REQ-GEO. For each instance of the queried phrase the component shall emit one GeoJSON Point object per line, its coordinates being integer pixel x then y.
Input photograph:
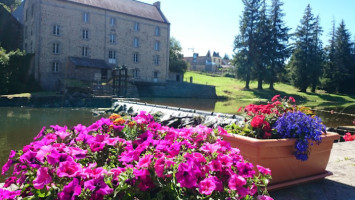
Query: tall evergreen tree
{"type": "Point", "coordinates": [302, 65]}
{"type": "Point", "coordinates": [328, 73]}
{"type": "Point", "coordinates": [343, 60]}
{"type": "Point", "coordinates": [245, 44]}
{"type": "Point", "coordinates": [317, 55]}
{"type": "Point", "coordinates": [262, 56]}
{"type": "Point", "coordinates": [279, 48]}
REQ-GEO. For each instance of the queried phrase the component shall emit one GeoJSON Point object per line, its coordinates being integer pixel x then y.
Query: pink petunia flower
{"type": "Point", "coordinates": [263, 170]}
{"type": "Point", "coordinates": [145, 161]}
{"type": "Point", "coordinates": [69, 169]}
{"type": "Point", "coordinates": [43, 178]}
{"type": "Point", "coordinates": [207, 186]}
{"type": "Point", "coordinates": [71, 191]}
{"type": "Point", "coordinates": [236, 181]}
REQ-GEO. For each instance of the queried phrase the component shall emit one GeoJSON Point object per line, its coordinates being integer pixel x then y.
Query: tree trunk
{"type": "Point", "coordinates": [247, 82]}
{"type": "Point", "coordinates": [260, 83]}
{"type": "Point", "coordinates": [271, 87]}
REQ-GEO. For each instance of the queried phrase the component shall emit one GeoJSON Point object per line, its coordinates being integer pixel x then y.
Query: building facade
{"type": "Point", "coordinates": [86, 39]}
{"type": "Point", "coordinates": [208, 63]}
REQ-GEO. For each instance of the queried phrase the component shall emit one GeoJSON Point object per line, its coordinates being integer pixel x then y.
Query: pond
{"type": "Point", "coordinates": [20, 125]}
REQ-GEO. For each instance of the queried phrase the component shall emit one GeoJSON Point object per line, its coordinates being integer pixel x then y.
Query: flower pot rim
{"type": "Point", "coordinates": [276, 142]}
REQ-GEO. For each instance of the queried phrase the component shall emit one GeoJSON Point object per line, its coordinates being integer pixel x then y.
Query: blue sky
{"type": "Point", "coordinates": [212, 25]}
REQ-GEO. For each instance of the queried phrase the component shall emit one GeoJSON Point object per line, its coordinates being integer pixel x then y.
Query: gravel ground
{"type": "Point", "coordinates": [339, 186]}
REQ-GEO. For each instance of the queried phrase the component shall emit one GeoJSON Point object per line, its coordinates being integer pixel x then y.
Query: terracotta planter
{"type": "Point", "coordinates": [277, 154]}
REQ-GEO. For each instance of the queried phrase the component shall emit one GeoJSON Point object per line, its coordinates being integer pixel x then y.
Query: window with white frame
{"type": "Point", "coordinates": [112, 54]}
{"type": "Point", "coordinates": [136, 42]}
{"type": "Point", "coordinates": [85, 34]}
{"type": "Point", "coordinates": [55, 67]}
{"type": "Point", "coordinates": [85, 51]}
{"type": "Point", "coordinates": [136, 26]}
{"type": "Point", "coordinates": [112, 38]}
{"type": "Point", "coordinates": [135, 57]}
{"type": "Point", "coordinates": [157, 46]}
{"type": "Point", "coordinates": [86, 17]}
{"type": "Point", "coordinates": [157, 31]}
{"type": "Point", "coordinates": [55, 48]}
{"type": "Point", "coordinates": [112, 21]}
{"type": "Point", "coordinates": [56, 30]}
{"type": "Point", "coordinates": [156, 60]}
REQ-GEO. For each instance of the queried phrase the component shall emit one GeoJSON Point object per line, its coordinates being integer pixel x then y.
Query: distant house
{"type": "Point", "coordinates": [10, 31]}
{"type": "Point", "coordinates": [208, 63]}
{"type": "Point", "coordinates": [86, 39]}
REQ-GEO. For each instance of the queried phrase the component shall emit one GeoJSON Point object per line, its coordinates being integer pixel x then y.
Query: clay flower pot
{"type": "Point", "coordinates": [277, 154]}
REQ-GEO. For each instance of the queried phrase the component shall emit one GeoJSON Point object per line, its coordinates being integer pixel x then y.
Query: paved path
{"type": "Point", "coordinates": [339, 186]}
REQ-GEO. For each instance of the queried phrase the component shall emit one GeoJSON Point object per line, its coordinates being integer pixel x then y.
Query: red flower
{"type": "Point", "coordinates": [275, 98]}
{"type": "Point", "coordinates": [292, 99]}
{"type": "Point", "coordinates": [349, 137]}
{"type": "Point", "coordinates": [258, 121]}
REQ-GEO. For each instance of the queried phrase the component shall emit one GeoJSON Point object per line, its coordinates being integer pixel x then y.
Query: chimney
{"type": "Point", "coordinates": [157, 4]}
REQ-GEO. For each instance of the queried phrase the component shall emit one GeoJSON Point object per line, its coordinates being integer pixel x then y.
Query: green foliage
{"type": "Point", "coordinates": [176, 62]}
{"type": "Point", "coordinates": [340, 68]}
{"type": "Point", "coordinates": [306, 61]}
{"type": "Point", "coordinates": [11, 3]}
{"type": "Point", "coordinates": [14, 67]}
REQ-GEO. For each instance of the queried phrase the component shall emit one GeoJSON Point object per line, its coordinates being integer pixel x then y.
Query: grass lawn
{"type": "Point", "coordinates": [236, 95]}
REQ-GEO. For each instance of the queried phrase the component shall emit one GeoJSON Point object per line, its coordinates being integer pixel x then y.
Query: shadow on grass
{"type": "Point", "coordinates": [327, 97]}
{"type": "Point", "coordinates": [268, 94]}
{"type": "Point", "coordinates": [320, 190]}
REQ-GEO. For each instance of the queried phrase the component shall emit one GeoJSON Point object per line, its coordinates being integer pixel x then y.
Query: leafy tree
{"type": "Point", "coordinates": [11, 3]}
{"type": "Point", "coordinates": [4, 71]}
{"type": "Point", "coordinates": [305, 64]}
{"type": "Point", "coordinates": [176, 61]}
{"type": "Point", "coordinates": [226, 57]}
{"type": "Point", "coordinates": [278, 47]}
{"type": "Point", "coordinates": [245, 44]}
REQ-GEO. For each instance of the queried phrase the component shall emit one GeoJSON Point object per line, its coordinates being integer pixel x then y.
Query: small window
{"type": "Point", "coordinates": [156, 74]}
{"type": "Point", "coordinates": [85, 34]}
{"type": "Point", "coordinates": [135, 58]}
{"type": "Point", "coordinates": [156, 60]}
{"type": "Point", "coordinates": [84, 51]}
{"type": "Point", "coordinates": [112, 21]}
{"type": "Point", "coordinates": [56, 30]}
{"type": "Point", "coordinates": [112, 38]}
{"type": "Point", "coordinates": [136, 42]}
{"type": "Point", "coordinates": [55, 48]}
{"type": "Point", "coordinates": [55, 67]}
{"type": "Point", "coordinates": [157, 31]}
{"type": "Point", "coordinates": [157, 46]}
{"type": "Point", "coordinates": [136, 26]}
{"type": "Point", "coordinates": [135, 73]}
{"type": "Point", "coordinates": [86, 17]}
{"type": "Point", "coordinates": [112, 54]}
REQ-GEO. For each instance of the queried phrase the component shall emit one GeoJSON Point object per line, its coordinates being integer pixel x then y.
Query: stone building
{"type": "Point", "coordinates": [208, 63]}
{"type": "Point", "coordinates": [86, 39]}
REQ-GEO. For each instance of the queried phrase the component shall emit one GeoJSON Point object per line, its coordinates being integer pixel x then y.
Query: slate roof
{"type": "Point", "coordinates": [130, 7]}
{"type": "Point", "coordinates": [87, 62]}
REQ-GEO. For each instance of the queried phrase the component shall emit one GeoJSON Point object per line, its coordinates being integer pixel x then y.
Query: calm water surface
{"type": "Point", "coordinates": [18, 126]}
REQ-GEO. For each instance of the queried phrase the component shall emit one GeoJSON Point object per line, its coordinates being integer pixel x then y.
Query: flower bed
{"type": "Point", "coordinates": [134, 158]}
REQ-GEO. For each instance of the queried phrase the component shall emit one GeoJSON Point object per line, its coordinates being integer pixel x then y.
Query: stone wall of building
{"type": "Point", "coordinates": [40, 39]}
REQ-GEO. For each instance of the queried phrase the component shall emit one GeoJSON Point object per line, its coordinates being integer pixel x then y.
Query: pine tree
{"type": "Point", "coordinates": [279, 49]}
{"type": "Point", "coordinates": [317, 55]}
{"type": "Point", "coordinates": [262, 56]}
{"type": "Point", "coordinates": [342, 58]}
{"type": "Point", "coordinates": [304, 68]}
{"type": "Point", "coordinates": [328, 73]}
{"type": "Point", "coordinates": [245, 44]}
